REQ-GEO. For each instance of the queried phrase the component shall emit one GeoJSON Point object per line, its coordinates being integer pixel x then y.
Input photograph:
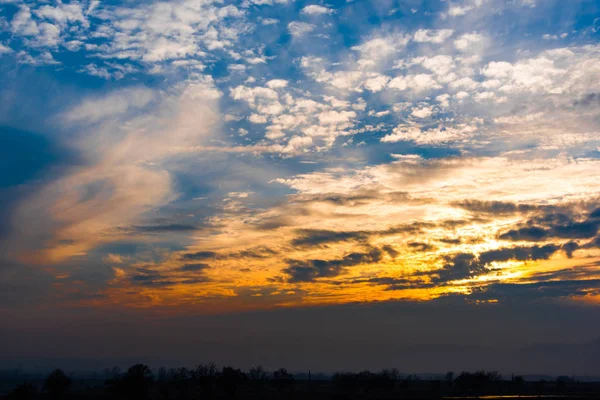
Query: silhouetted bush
{"type": "Point", "coordinates": [26, 391]}
{"type": "Point", "coordinates": [135, 384]}
{"type": "Point", "coordinates": [283, 380]}
{"type": "Point", "coordinates": [476, 381]}
{"type": "Point", "coordinates": [57, 384]}
{"type": "Point", "coordinates": [231, 380]}
{"type": "Point", "coordinates": [206, 382]}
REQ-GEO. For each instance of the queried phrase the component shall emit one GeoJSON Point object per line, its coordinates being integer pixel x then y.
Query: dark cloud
{"type": "Point", "coordinates": [518, 292]}
{"type": "Point", "coordinates": [421, 247]}
{"type": "Point", "coordinates": [194, 281]}
{"type": "Point", "coordinates": [589, 100]}
{"type": "Point", "coordinates": [339, 199]}
{"type": "Point", "coordinates": [557, 224]}
{"type": "Point", "coordinates": [165, 228]}
{"type": "Point", "coordinates": [147, 277]}
{"type": "Point", "coordinates": [201, 255]}
{"type": "Point", "coordinates": [194, 267]}
{"type": "Point", "coordinates": [309, 270]}
{"type": "Point", "coordinates": [316, 237]}
{"type": "Point", "coordinates": [460, 266]}
{"type": "Point", "coordinates": [391, 283]}
{"type": "Point", "coordinates": [256, 252]}
{"type": "Point", "coordinates": [570, 247]}
{"type": "Point", "coordinates": [150, 277]}
{"type": "Point", "coordinates": [495, 207]}
{"type": "Point", "coordinates": [390, 250]}
{"type": "Point", "coordinates": [577, 230]}
{"type": "Point", "coordinates": [519, 253]}
{"type": "Point", "coordinates": [450, 240]}
{"type": "Point", "coordinates": [533, 234]}
{"type": "Point", "coordinates": [466, 265]}
{"type": "Point", "coordinates": [582, 273]}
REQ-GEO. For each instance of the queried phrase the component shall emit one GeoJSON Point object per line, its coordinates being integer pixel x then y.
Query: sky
{"type": "Point", "coordinates": [325, 185]}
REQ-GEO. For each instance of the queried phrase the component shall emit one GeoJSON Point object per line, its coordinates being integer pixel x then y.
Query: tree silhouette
{"type": "Point", "coordinates": [518, 383]}
{"type": "Point", "coordinates": [387, 379]}
{"type": "Point", "coordinates": [259, 378]}
{"type": "Point", "coordinates": [136, 382]}
{"type": "Point", "coordinates": [476, 381]}
{"type": "Point", "coordinates": [539, 387]}
{"type": "Point", "coordinates": [231, 379]}
{"type": "Point", "coordinates": [449, 377]}
{"type": "Point", "coordinates": [205, 377]}
{"type": "Point", "coordinates": [207, 383]}
{"type": "Point", "coordinates": [57, 384]}
{"type": "Point", "coordinates": [283, 380]}
{"type": "Point", "coordinates": [258, 374]}
{"type": "Point", "coordinates": [26, 391]}
{"type": "Point", "coordinates": [181, 379]}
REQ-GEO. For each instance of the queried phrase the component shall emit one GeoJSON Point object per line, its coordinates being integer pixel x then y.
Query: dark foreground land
{"type": "Point", "coordinates": [207, 382]}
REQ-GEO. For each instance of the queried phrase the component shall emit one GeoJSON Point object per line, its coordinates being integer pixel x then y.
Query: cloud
{"type": "Point", "coordinates": [469, 42]}
{"type": "Point", "coordinates": [555, 225]}
{"type": "Point", "coordinates": [201, 255]}
{"type": "Point", "coordinates": [122, 178]}
{"type": "Point", "coordinates": [5, 49]}
{"type": "Point", "coordinates": [194, 267]}
{"type": "Point", "coordinates": [436, 136]}
{"type": "Point", "coordinates": [422, 112]}
{"type": "Point", "coordinates": [467, 266]}
{"type": "Point", "coordinates": [538, 291]}
{"type": "Point", "coordinates": [112, 105]}
{"type": "Point", "coordinates": [315, 9]}
{"type": "Point", "coordinates": [298, 29]}
{"type": "Point", "coordinates": [432, 36]}
{"type": "Point", "coordinates": [277, 83]}
{"type": "Point", "coordinates": [417, 83]}
{"type": "Point", "coordinates": [406, 163]}
{"type": "Point", "coordinates": [309, 270]}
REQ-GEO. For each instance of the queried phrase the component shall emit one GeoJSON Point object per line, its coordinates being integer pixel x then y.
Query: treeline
{"type": "Point", "coordinates": [207, 381]}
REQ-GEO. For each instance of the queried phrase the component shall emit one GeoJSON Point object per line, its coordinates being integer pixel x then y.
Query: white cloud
{"type": "Point", "coordinates": [463, 83]}
{"type": "Point", "coordinates": [335, 117]}
{"type": "Point", "coordinates": [297, 28]}
{"type": "Point", "coordinates": [457, 11]}
{"type": "Point", "coordinates": [314, 9]}
{"type": "Point", "coordinates": [441, 65]}
{"type": "Point", "coordinates": [123, 176]}
{"type": "Point", "coordinates": [269, 21]}
{"type": "Point", "coordinates": [277, 83]}
{"type": "Point", "coordinates": [22, 24]}
{"type": "Point", "coordinates": [297, 143]}
{"type": "Point", "coordinates": [470, 42]}
{"type": "Point", "coordinates": [528, 3]}
{"type": "Point", "coordinates": [44, 58]}
{"type": "Point", "coordinates": [444, 100]}
{"type": "Point", "coordinates": [380, 47]}
{"type": "Point", "coordinates": [402, 134]}
{"type": "Point", "coordinates": [436, 136]}
{"type": "Point", "coordinates": [376, 83]}
{"type": "Point", "coordinates": [63, 14]}
{"type": "Point", "coordinates": [5, 49]}
{"type": "Point", "coordinates": [253, 95]}
{"type": "Point", "coordinates": [422, 112]}
{"type": "Point", "coordinates": [112, 105]}
{"type": "Point", "coordinates": [257, 119]}
{"type": "Point", "coordinates": [432, 35]}
{"type": "Point", "coordinates": [417, 83]}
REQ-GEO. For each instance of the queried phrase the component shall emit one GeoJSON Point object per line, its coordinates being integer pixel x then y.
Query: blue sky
{"type": "Point", "coordinates": [199, 157]}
